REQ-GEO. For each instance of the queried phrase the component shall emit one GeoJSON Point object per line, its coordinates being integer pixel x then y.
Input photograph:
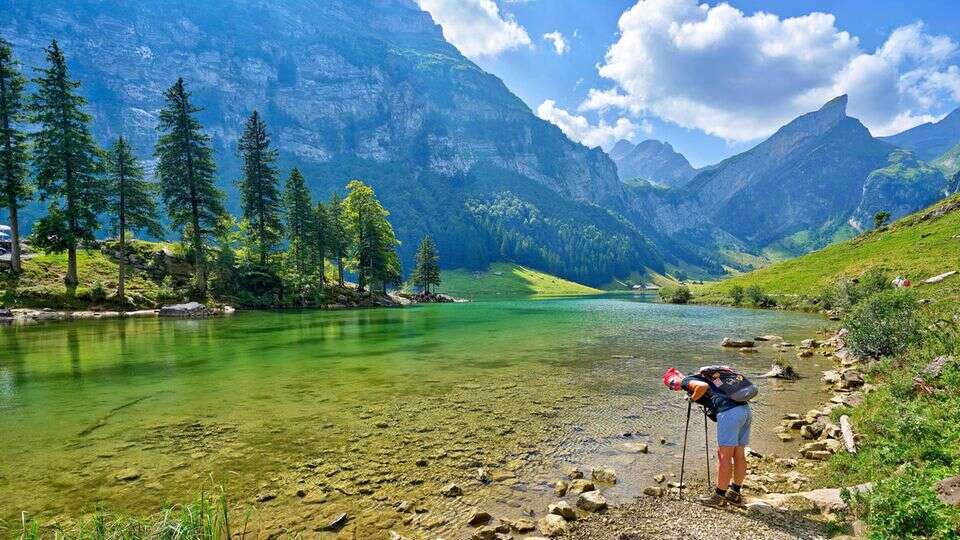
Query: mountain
{"type": "Point", "coordinates": [363, 89]}
{"type": "Point", "coordinates": [651, 160]}
{"type": "Point", "coordinates": [949, 162]}
{"type": "Point", "coordinates": [817, 180]}
{"type": "Point", "coordinates": [931, 139]}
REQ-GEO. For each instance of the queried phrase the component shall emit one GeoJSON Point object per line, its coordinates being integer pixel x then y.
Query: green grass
{"type": "Point", "coordinates": [510, 281]}
{"type": "Point", "coordinates": [41, 282]}
{"type": "Point", "coordinates": [913, 247]}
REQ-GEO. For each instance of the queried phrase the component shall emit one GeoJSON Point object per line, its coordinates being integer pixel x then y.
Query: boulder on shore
{"type": "Point", "coordinates": [592, 501]}
{"type": "Point", "coordinates": [188, 310]}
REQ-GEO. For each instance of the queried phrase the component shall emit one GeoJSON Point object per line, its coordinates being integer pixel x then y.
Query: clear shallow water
{"type": "Point", "coordinates": [357, 410]}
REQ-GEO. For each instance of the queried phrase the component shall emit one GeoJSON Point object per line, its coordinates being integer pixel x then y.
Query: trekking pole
{"type": "Point", "coordinates": [706, 445]}
{"type": "Point", "coordinates": [683, 458]}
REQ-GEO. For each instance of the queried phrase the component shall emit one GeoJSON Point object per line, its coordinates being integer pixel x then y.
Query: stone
{"type": "Point", "coordinates": [552, 525]}
{"type": "Point", "coordinates": [935, 367]}
{"type": "Point", "coordinates": [805, 353]}
{"type": "Point", "coordinates": [188, 310]}
{"type": "Point", "coordinates": [580, 486]}
{"type": "Point", "coordinates": [592, 501]}
{"type": "Point", "coordinates": [768, 337]}
{"type": "Point", "coordinates": [338, 522]}
{"type": "Point", "coordinates": [604, 475]}
{"type": "Point", "coordinates": [748, 350]}
{"type": "Point", "coordinates": [452, 490]}
{"type": "Point", "coordinates": [851, 379]}
{"type": "Point", "coordinates": [939, 278]}
{"type": "Point", "coordinates": [653, 491]}
{"type": "Point", "coordinates": [563, 509]}
{"type": "Point", "coordinates": [483, 476]}
{"type": "Point", "coordinates": [785, 437]}
{"type": "Point", "coordinates": [810, 344]}
{"type": "Point", "coordinates": [659, 478]}
{"type": "Point", "coordinates": [736, 343]}
{"type": "Point", "coordinates": [812, 431]}
{"type": "Point", "coordinates": [127, 475]}
{"type": "Point", "coordinates": [948, 491]}
{"type": "Point", "coordinates": [266, 496]}
{"type": "Point", "coordinates": [524, 525]}
{"type": "Point", "coordinates": [636, 448]}
{"type": "Point", "coordinates": [397, 536]}
{"type": "Point", "coordinates": [561, 487]}
{"type": "Point", "coordinates": [484, 533]}
{"type": "Point", "coordinates": [479, 517]}
{"type": "Point", "coordinates": [831, 377]}
{"type": "Point", "coordinates": [575, 474]}
{"type": "Point", "coordinates": [6, 314]}
{"type": "Point", "coordinates": [404, 507]}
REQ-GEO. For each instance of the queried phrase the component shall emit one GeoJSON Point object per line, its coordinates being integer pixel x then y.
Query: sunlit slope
{"type": "Point", "coordinates": [505, 280]}
{"type": "Point", "coordinates": [919, 246]}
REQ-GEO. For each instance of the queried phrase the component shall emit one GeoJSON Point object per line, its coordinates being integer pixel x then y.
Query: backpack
{"type": "Point", "coordinates": [729, 382]}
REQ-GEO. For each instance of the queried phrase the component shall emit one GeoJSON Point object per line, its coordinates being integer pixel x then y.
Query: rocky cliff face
{"type": "Point", "coordinates": [900, 188]}
{"type": "Point", "coordinates": [349, 89]}
{"type": "Point", "coordinates": [651, 160]}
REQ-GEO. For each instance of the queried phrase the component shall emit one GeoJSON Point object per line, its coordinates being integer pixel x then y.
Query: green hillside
{"type": "Point", "coordinates": [510, 281]}
{"type": "Point", "coordinates": [919, 246]}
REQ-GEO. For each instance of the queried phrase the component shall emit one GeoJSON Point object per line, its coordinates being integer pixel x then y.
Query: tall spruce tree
{"type": "Point", "coordinates": [186, 170]}
{"type": "Point", "coordinates": [133, 200]}
{"type": "Point", "coordinates": [373, 242]}
{"type": "Point", "coordinates": [67, 163]}
{"type": "Point", "coordinates": [14, 174]}
{"type": "Point", "coordinates": [322, 233]}
{"type": "Point", "coordinates": [300, 222]}
{"type": "Point", "coordinates": [259, 191]}
{"type": "Point", "coordinates": [426, 272]}
{"type": "Point", "coordinates": [338, 240]}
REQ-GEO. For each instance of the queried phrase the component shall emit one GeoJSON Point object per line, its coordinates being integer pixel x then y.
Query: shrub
{"type": "Point", "coordinates": [884, 324]}
{"type": "Point", "coordinates": [757, 297]}
{"type": "Point", "coordinates": [98, 293]}
{"type": "Point", "coordinates": [736, 294]}
{"type": "Point", "coordinates": [676, 295]}
{"type": "Point", "coordinates": [847, 293]}
{"type": "Point", "coordinates": [905, 506]}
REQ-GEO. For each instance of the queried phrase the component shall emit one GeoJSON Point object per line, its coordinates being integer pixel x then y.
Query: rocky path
{"type": "Point", "coordinates": [671, 519]}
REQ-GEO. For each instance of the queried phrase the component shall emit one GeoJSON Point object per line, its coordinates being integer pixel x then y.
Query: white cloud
{"type": "Point", "coordinates": [559, 43]}
{"type": "Point", "coordinates": [579, 129]}
{"type": "Point", "coordinates": [476, 27]}
{"type": "Point", "coordinates": [741, 76]}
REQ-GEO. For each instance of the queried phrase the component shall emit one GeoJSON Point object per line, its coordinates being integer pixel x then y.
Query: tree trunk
{"type": "Point", "coordinates": [340, 270]}
{"type": "Point", "coordinates": [71, 279]}
{"type": "Point", "coordinates": [14, 240]}
{"type": "Point", "coordinates": [323, 273]}
{"type": "Point", "coordinates": [121, 296]}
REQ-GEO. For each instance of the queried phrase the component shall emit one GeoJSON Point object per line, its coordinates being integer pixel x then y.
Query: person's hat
{"type": "Point", "coordinates": [672, 379]}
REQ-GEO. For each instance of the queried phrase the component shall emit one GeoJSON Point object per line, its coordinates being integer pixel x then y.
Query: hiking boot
{"type": "Point", "coordinates": [733, 497]}
{"type": "Point", "coordinates": [714, 501]}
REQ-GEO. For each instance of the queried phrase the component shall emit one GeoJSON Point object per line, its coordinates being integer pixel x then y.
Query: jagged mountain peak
{"type": "Point", "coordinates": [651, 160]}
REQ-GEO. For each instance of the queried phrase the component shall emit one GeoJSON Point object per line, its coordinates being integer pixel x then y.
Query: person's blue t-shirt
{"type": "Point", "coordinates": [714, 402]}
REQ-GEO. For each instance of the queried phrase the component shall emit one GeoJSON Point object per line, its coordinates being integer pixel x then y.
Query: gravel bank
{"type": "Point", "coordinates": [670, 519]}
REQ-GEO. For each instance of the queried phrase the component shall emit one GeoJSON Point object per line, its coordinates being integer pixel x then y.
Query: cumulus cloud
{"type": "Point", "coordinates": [560, 45]}
{"type": "Point", "coordinates": [741, 76]}
{"type": "Point", "coordinates": [476, 27]}
{"type": "Point", "coordinates": [579, 129]}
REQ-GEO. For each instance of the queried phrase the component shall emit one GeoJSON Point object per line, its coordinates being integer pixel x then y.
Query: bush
{"type": "Point", "coordinates": [736, 294]}
{"type": "Point", "coordinates": [98, 293]}
{"type": "Point", "coordinates": [905, 506]}
{"type": "Point", "coordinates": [757, 297]}
{"type": "Point", "coordinates": [676, 295]}
{"type": "Point", "coordinates": [847, 292]}
{"type": "Point", "coordinates": [884, 324]}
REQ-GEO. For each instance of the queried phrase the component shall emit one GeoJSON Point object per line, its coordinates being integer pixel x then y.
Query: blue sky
{"type": "Point", "coordinates": [727, 78]}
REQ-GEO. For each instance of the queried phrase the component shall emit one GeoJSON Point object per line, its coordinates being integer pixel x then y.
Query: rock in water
{"type": "Point", "coordinates": [127, 475]}
{"type": "Point", "coordinates": [552, 525]}
{"type": "Point", "coordinates": [563, 509]}
{"type": "Point", "coordinates": [479, 517]}
{"type": "Point", "coordinates": [338, 522]}
{"type": "Point", "coordinates": [736, 343]}
{"type": "Point", "coordinates": [592, 501]}
{"type": "Point", "coordinates": [580, 486]}
{"type": "Point", "coordinates": [452, 490]}
{"type": "Point", "coordinates": [561, 487]}
{"type": "Point", "coordinates": [781, 372]}
{"type": "Point", "coordinates": [188, 310]}
{"type": "Point", "coordinates": [604, 475]}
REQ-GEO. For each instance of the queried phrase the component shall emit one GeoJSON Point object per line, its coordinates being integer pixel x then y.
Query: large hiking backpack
{"type": "Point", "coordinates": [729, 382]}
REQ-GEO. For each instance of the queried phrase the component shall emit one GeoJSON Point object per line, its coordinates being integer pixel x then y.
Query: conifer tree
{"type": "Point", "coordinates": [259, 191]}
{"type": "Point", "coordinates": [427, 269]}
{"type": "Point", "coordinates": [321, 238]}
{"type": "Point", "coordinates": [185, 170]}
{"type": "Point", "coordinates": [13, 146]}
{"type": "Point", "coordinates": [66, 161]}
{"type": "Point", "coordinates": [373, 242]}
{"type": "Point", "coordinates": [132, 198]}
{"type": "Point", "coordinates": [300, 221]}
{"type": "Point", "coordinates": [338, 241]}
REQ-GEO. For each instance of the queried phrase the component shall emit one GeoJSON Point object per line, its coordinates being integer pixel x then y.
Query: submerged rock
{"type": "Point", "coordinates": [736, 343]}
{"type": "Point", "coordinates": [604, 475]}
{"type": "Point", "coordinates": [580, 486]}
{"type": "Point", "coordinates": [188, 310]}
{"type": "Point", "coordinates": [479, 517]}
{"type": "Point", "coordinates": [127, 475]}
{"type": "Point", "coordinates": [452, 490]}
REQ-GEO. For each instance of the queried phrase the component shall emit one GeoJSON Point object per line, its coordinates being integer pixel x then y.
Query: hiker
{"type": "Point", "coordinates": [710, 388]}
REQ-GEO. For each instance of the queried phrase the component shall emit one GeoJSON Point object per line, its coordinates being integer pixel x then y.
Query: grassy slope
{"type": "Point", "coordinates": [514, 281]}
{"type": "Point", "coordinates": [911, 247]}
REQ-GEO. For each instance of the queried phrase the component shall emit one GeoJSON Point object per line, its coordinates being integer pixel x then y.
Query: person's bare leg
{"type": "Point", "coordinates": [739, 465]}
{"type": "Point", "coordinates": [725, 467]}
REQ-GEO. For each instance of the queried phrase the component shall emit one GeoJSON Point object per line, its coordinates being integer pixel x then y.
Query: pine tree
{"type": "Point", "coordinates": [373, 242]}
{"type": "Point", "coordinates": [13, 146]}
{"type": "Point", "coordinates": [185, 169]}
{"type": "Point", "coordinates": [427, 269]}
{"type": "Point", "coordinates": [300, 221]}
{"type": "Point", "coordinates": [67, 163]}
{"type": "Point", "coordinates": [259, 191]}
{"type": "Point", "coordinates": [133, 198]}
{"type": "Point", "coordinates": [338, 241]}
{"type": "Point", "coordinates": [321, 238]}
